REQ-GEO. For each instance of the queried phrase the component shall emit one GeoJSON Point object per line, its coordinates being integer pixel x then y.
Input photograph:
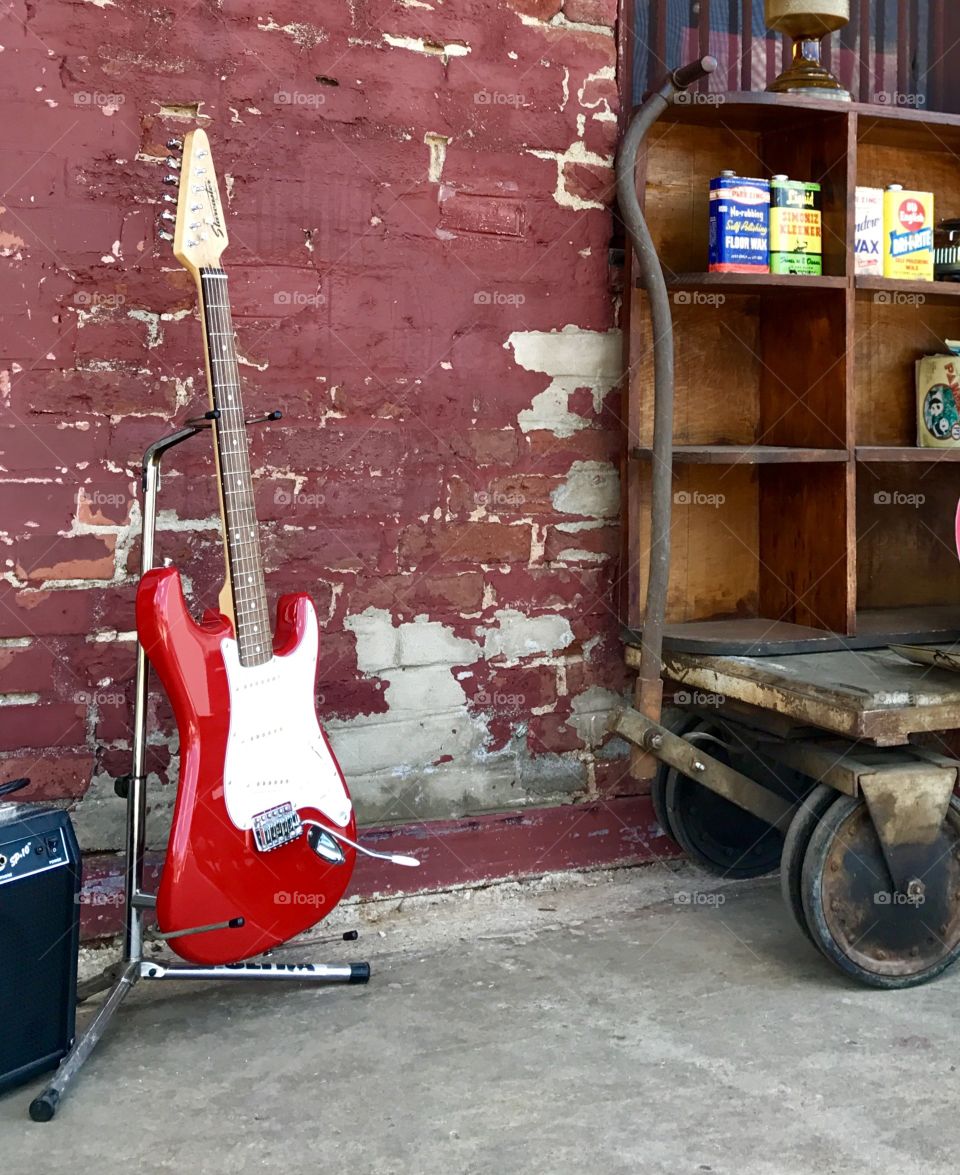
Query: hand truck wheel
{"type": "Point", "coordinates": [871, 932]}
{"type": "Point", "coordinates": [717, 834]}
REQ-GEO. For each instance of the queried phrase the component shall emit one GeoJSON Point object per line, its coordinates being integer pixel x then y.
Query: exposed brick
{"type": "Point", "coordinates": [59, 724]}
{"type": "Point", "coordinates": [42, 557]}
{"type": "Point", "coordinates": [541, 9]}
{"type": "Point", "coordinates": [601, 12]}
{"type": "Point", "coordinates": [469, 542]}
{"type": "Point", "coordinates": [52, 776]}
{"type": "Point", "coordinates": [600, 540]}
{"type": "Point", "coordinates": [514, 691]}
{"type": "Point", "coordinates": [26, 670]}
{"type": "Point", "coordinates": [550, 734]}
{"type": "Point", "coordinates": [33, 612]}
{"type": "Point", "coordinates": [590, 181]}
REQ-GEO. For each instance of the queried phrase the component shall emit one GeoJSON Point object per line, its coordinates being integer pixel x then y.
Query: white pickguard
{"type": "Point", "coordinates": [275, 751]}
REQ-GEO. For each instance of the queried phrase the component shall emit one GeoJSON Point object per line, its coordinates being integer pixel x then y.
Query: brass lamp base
{"type": "Point", "coordinates": [807, 22]}
{"type": "Point", "coordinates": [807, 75]}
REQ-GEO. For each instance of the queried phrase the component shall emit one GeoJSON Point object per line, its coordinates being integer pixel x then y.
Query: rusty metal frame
{"type": "Point", "coordinates": [907, 790]}
{"type": "Point", "coordinates": [694, 762]}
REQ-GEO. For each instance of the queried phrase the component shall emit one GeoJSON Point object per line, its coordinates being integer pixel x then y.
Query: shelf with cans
{"type": "Point", "coordinates": [804, 496]}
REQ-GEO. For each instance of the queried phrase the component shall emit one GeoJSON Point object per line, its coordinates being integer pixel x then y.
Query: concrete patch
{"type": "Point", "coordinates": [573, 358]}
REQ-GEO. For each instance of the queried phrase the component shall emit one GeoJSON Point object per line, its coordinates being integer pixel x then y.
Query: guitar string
{"type": "Point", "coordinates": [235, 459]}
{"type": "Point", "coordinates": [244, 556]}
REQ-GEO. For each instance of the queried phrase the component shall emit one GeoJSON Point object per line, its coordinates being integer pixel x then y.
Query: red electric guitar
{"type": "Point", "coordinates": [264, 835]}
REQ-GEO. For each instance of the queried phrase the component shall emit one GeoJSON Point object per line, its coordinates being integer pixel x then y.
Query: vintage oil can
{"type": "Point", "coordinates": [868, 240]}
{"type": "Point", "coordinates": [739, 224]}
{"type": "Point", "coordinates": [907, 234]}
{"type": "Point", "coordinates": [938, 399]}
{"type": "Point", "coordinates": [796, 226]}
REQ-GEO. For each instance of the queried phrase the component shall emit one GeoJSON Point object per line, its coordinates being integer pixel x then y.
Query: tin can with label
{"type": "Point", "coordinates": [868, 240]}
{"type": "Point", "coordinates": [938, 402]}
{"type": "Point", "coordinates": [796, 226]}
{"type": "Point", "coordinates": [739, 224]}
{"type": "Point", "coordinates": [908, 234]}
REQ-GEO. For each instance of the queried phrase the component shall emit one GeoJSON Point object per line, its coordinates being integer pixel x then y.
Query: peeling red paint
{"type": "Point", "coordinates": [373, 304]}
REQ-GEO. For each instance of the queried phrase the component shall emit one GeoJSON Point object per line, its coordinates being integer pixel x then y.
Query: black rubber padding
{"type": "Point", "coordinates": [359, 972]}
{"type": "Point", "coordinates": [43, 1108]}
{"type": "Point", "coordinates": [795, 845]}
{"type": "Point", "coordinates": [686, 75]}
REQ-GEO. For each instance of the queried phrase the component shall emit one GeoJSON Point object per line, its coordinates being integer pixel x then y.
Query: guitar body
{"type": "Point", "coordinates": [249, 741]}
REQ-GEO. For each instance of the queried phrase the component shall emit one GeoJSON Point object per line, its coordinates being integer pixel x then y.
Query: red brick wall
{"type": "Point", "coordinates": [418, 205]}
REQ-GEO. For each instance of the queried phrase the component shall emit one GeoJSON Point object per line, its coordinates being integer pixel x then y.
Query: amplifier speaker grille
{"type": "Point", "coordinates": [39, 930]}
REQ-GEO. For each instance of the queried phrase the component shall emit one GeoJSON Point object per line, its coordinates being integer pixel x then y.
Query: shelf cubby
{"type": "Point", "coordinates": [794, 403]}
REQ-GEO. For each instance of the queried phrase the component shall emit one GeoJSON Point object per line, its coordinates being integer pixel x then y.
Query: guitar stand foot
{"type": "Point", "coordinates": [45, 1105]}
{"type": "Point", "coordinates": [313, 974]}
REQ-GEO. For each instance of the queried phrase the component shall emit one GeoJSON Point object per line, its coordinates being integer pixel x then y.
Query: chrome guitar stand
{"type": "Point", "coordinates": [123, 975]}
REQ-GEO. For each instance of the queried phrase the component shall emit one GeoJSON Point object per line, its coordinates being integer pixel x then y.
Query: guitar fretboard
{"type": "Point", "coordinates": [254, 638]}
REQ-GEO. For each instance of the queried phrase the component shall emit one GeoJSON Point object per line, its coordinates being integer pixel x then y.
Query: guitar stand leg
{"type": "Point", "coordinates": [121, 977]}
{"type": "Point", "coordinates": [44, 1106]}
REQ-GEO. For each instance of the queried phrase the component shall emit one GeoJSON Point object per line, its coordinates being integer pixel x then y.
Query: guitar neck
{"type": "Point", "coordinates": [241, 536]}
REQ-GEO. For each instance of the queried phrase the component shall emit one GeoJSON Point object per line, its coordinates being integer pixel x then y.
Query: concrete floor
{"type": "Point", "coordinates": [592, 1024]}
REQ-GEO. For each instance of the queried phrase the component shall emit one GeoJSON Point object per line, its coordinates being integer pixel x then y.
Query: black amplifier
{"type": "Point", "coordinates": [40, 876]}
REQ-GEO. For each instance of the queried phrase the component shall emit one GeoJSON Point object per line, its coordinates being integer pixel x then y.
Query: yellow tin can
{"type": "Point", "coordinates": [907, 234]}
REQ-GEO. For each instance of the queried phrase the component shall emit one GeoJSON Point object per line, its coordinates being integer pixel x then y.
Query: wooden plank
{"type": "Point", "coordinates": [819, 152]}
{"type": "Point", "coordinates": [746, 46]}
{"type": "Point", "coordinates": [869, 285]}
{"type": "Point", "coordinates": [749, 455]}
{"type": "Point", "coordinates": [888, 340]}
{"type": "Point", "coordinates": [753, 283]}
{"type": "Point", "coordinates": [872, 695]}
{"type": "Point", "coordinates": [704, 41]}
{"type": "Point", "coordinates": [714, 539]}
{"type": "Point", "coordinates": [895, 454]}
{"type": "Point", "coordinates": [804, 553]}
{"type": "Point", "coordinates": [903, 46]}
{"type": "Point", "coordinates": [761, 110]}
{"type": "Point", "coordinates": [937, 42]}
{"type": "Point", "coordinates": [866, 73]}
{"type": "Point", "coordinates": [905, 523]}
{"type": "Point", "coordinates": [659, 14]}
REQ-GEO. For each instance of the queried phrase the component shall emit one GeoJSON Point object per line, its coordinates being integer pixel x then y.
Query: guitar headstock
{"type": "Point", "coordinates": [200, 234]}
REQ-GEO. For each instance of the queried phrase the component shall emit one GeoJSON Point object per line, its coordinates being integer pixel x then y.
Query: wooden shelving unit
{"type": "Point", "coordinates": [803, 510]}
{"type": "Point", "coordinates": [746, 455]}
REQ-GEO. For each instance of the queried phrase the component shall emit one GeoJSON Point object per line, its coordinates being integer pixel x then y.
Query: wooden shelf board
{"type": "Point", "coordinates": [752, 636]}
{"type": "Point", "coordinates": [748, 455]}
{"type": "Point", "coordinates": [880, 125]}
{"type": "Point", "coordinates": [890, 454]}
{"type": "Point", "coordinates": [751, 283]}
{"type": "Point", "coordinates": [930, 291]}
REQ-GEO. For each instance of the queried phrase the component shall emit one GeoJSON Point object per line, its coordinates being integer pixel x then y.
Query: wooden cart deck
{"type": "Point", "coordinates": [873, 695]}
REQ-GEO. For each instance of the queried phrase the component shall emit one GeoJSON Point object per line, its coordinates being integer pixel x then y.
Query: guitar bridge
{"type": "Point", "coordinates": [276, 827]}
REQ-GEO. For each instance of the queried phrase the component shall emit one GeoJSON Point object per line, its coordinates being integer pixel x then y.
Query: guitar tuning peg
{"type": "Point", "coordinates": [171, 162]}
{"type": "Point", "coordinates": [171, 179]}
{"type": "Point", "coordinates": [169, 199]}
{"type": "Point", "coordinates": [175, 144]}
{"type": "Point", "coordinates": [165, 235]}
{"type": "Point", "coordinates": [165, 215]}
